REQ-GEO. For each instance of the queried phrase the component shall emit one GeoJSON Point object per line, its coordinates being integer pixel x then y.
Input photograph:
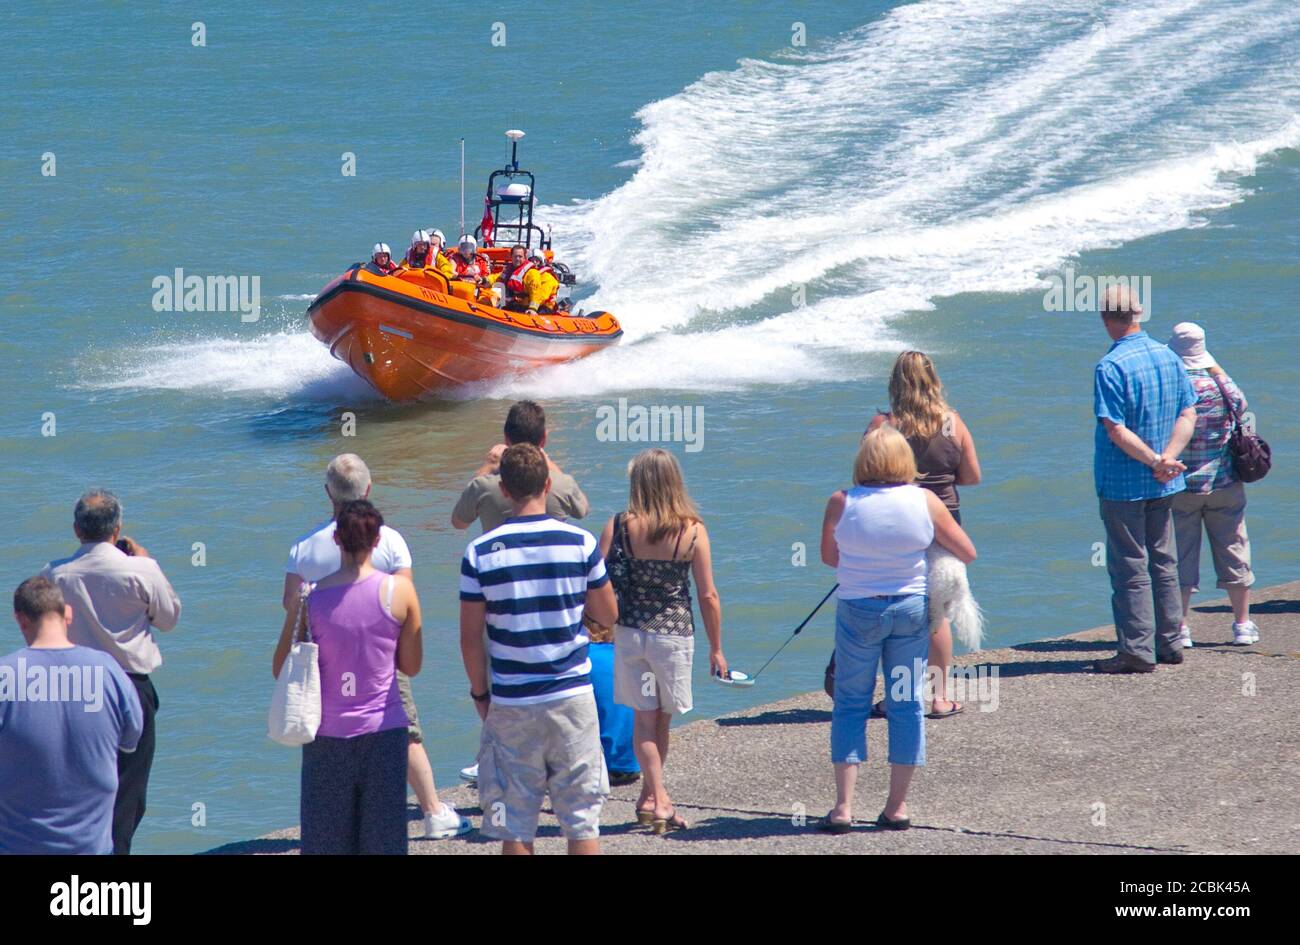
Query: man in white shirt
{"type": "Point", "coordinates": [315, 556]}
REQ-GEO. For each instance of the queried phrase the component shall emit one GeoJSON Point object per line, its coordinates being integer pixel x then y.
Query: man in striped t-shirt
{"type": "Point", "coordinates": [529, 580]}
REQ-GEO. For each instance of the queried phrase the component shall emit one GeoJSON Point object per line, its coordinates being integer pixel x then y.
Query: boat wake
{"type": "Point", "coordinates": [288, 364]}
{"type": "Point", "coordinates": [782, 215]}
{"type": "Point", "coordinates": [953, 146]}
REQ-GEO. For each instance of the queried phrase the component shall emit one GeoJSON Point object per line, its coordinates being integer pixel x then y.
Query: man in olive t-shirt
{"type": "Point", "coordinates": [483, 499]}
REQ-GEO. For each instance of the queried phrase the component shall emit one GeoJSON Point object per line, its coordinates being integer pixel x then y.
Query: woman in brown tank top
{"type": "Point", "coordinates": [945, 459]}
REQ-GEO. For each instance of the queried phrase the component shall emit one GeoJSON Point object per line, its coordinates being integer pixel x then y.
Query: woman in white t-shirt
{"type": "Point", "coordinates": [875, 535]}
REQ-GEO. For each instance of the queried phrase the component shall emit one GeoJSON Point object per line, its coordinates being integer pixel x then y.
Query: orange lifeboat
{"type": "Point", "coordinates": [413, 334]}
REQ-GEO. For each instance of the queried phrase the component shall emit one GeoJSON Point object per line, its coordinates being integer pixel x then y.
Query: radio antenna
{"type": "Point", "coordinates": [462, 188]}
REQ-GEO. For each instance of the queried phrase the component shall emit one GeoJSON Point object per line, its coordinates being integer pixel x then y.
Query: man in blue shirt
{"type": "Point", "coordinates": [65, 713]}
{"type": "Point", "coordinates": [1146, 413]}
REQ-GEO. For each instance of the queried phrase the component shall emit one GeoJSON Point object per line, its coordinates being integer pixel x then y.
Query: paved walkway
{"type": "Point", "coordinates": [1198, 758]}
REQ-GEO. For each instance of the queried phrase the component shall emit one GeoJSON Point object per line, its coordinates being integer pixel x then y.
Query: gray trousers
{"type": "Point", "coordinates": [1142, 560]}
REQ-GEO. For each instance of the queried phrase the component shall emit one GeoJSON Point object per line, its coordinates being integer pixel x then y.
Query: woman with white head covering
{"type": "Point", "coordinates": [1215, 500]}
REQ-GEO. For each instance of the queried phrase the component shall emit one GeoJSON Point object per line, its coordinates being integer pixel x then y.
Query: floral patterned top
{"type": "Point", "coordinates": [653, 595]}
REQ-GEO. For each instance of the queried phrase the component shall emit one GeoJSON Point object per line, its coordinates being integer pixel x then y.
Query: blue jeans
{"type": "Point", "coordinates": [895, 630]}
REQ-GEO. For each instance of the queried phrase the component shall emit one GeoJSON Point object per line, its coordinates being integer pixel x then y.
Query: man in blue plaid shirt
{"type": "Point", "coordinates": [1146, 412]}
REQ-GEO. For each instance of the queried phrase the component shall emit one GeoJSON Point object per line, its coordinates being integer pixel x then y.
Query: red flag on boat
{"type": "Point", "coordinates": [485, 225]}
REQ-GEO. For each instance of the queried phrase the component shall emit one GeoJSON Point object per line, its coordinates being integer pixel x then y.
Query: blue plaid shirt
{"type": "Point", "coordinates": [1141, 385]}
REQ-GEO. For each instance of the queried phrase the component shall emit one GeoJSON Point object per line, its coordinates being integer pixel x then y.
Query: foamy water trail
{"type": "Point", "coordinates": [951, 147]}
{"type": "Point", "coordinates": [782, 214]}
{"type": "Point", "coordinates": [282, 364]}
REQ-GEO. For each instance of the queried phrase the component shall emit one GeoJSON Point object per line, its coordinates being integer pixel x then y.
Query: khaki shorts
{"type": "Point", "coordinates": [529, 751]}
{"type": "Point", "coordinates": [653, 670]}
{"type": "Point", "coordinates": [413, 730]}
{"type": "Point", "coordinates": [1222, 513]}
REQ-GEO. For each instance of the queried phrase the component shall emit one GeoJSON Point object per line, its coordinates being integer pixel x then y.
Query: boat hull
{"type": "Point", "coordinates": [412, 340]}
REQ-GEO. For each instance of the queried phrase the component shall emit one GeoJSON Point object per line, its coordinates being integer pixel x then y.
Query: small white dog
{"type": "Point", "coordinates": [950, 597]}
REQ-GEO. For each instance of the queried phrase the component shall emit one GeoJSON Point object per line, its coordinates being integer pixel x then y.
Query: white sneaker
{"type": "Point", "coordinates": [470, 773]}
{"type": "Point", "coordinates": [1244, 634]}
{"type": "Point", "coordinates": [446, 823]}
{"type": "Point", "coordinates": [1185, 637]}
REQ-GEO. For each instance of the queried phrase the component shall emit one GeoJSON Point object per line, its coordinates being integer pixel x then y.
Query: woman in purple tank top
{"type": "Point", "coordinates": [367, 626]}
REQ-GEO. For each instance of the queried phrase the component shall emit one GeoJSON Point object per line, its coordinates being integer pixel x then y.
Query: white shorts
{"type": "Point", "coordinates": [653, 670]}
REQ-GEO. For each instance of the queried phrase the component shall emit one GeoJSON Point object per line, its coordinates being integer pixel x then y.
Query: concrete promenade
{"type": "Point", "coordinates": [1198, 758]}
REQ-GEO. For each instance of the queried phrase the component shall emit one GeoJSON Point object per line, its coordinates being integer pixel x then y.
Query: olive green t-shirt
{"type": "Point", "coordinates": [483, 500]}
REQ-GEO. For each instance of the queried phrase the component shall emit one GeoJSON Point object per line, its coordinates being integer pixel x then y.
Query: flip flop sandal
{"type": "Point", "coordinates": [662, 825]}
{"type": "Point", "coordinates": [957, 709]}
{"type": "Point", "coordinates": [826, 825]}
{"type": "Point", "coordinates": [644, 818]}
{"type": "Point", "coordinates": [886, 824]}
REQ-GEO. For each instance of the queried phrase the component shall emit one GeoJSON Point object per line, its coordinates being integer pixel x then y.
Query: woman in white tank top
{"type": "Point", "coordinates": [875, 535]}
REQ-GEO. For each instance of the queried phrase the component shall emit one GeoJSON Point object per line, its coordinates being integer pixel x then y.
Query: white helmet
{"type": "Point", "coordinates": [381, 248]}
{"type": "Point", "coordinates": [537, 253]}
{"type": "Point", "coordinates": [437, 234]}
{"type": "Point", "coordinates": [419, 236]}
{"type": "Point", "coordinates": [469, 241]}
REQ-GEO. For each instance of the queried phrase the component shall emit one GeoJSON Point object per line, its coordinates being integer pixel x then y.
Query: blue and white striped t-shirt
{"type": "Point", "coordinates": [533, 573]}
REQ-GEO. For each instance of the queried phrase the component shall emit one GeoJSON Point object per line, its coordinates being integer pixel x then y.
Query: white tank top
{"type": "Point", "coordinates": [882, 537]}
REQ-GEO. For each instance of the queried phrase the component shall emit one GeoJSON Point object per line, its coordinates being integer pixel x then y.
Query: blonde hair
{"type": "Point", "coordinates": [658, 496]}
{"type": "Point", "coordinates": [884, 458]}
{"type": "Point", "coordinates": [916, 396]}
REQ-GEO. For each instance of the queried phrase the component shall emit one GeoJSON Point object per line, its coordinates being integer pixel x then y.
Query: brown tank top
{"type": "Point", "coordinates": [937, 460]}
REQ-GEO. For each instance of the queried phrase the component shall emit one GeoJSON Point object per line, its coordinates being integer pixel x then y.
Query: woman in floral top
{"type": "Point", "coordinates": [1215, 499]}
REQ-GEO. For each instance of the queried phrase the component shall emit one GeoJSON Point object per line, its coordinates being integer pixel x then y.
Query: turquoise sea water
{"type": "Point", "coordinates": [915, 172]}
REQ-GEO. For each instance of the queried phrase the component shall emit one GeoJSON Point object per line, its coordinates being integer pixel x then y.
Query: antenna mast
{"type": "Point", "coordinates": [462, 187]}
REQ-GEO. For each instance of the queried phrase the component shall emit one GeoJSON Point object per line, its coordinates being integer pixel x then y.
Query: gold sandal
{"type": "Point", "coordinates": [662, 825]}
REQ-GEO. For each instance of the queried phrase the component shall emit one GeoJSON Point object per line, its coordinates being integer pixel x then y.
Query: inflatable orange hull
{"type": "Point", "coordinates": [413, 336]}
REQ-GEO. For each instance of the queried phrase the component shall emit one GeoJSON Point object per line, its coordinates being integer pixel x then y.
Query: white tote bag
{"type": "Point", "coordinates": [295, 705]}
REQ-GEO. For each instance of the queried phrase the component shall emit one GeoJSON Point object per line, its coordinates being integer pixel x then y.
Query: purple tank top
{"type": "Point", "coordinates": [358, 659]}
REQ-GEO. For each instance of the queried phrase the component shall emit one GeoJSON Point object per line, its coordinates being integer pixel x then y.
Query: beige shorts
{"type": "Point", "coordinates": [413, 730]}
{"type": "Point", "coordinates": [653, 670]}
{"type": "Point", "coordinates": [529, 751]}
{"type": "Point", "coordinates": [1222, 514]}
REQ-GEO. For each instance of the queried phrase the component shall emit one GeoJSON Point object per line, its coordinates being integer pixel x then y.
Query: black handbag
{"type": "Point", "coordinates": [1251, 456]}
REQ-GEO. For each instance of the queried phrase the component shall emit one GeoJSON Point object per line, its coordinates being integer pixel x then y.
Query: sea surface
{"type": "Point", "coordinates": [771, 221]}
